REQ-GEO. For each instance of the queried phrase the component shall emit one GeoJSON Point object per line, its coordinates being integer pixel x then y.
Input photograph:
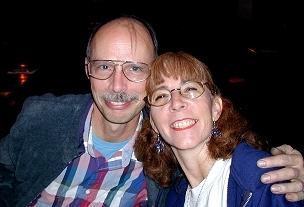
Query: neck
{"type": "Point", "coordinates": [196, 166]}
{"type": "Point", "coordinates": [112, 132]}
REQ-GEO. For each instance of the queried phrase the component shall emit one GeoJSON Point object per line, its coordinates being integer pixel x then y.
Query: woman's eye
{"type": "Point", "coordinates": [161, 96]}
{"type": "Point", "coordinates": [188, 89]}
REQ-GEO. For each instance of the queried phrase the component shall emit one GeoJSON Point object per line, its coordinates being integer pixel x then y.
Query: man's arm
{"type": "Point", "coordinates": [7, 177]}
{"type": "Point", "coordinates": [293, 163]}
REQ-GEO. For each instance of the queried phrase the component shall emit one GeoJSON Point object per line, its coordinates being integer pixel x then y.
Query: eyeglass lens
{"type": "Point", "coordinates": [189, 90]}
{"type": "Point", "coordinates": [134, 71]}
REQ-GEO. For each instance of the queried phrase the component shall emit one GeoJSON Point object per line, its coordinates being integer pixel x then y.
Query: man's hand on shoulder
{"type": "Point", "coordinates": [293, 163]}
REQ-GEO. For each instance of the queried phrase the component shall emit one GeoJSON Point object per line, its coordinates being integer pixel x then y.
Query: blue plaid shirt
{"type": "Point", "coordinates": [91, 180]}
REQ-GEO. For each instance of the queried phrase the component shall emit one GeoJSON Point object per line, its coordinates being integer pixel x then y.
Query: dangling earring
{"type": "Point", "coordinates": [215, 132]}
{"type": "Point", "coordinates": [159, 145]}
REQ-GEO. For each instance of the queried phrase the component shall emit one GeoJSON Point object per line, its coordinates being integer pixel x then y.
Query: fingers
{"type": "Point", "coordinates": [283, 174]}
{"type": "Point", "coordinates": [293, 169]}
{"type": "Point", "coordinates": [284, 156]}
{"type": "Point", "coordinates": [281, 160]}
{"type": "Point", "coordinates": [293, 197]}
{"type": "Point", "coordinates": [284, 149]}
{"type": "Point", "coordinates": [296, 187]}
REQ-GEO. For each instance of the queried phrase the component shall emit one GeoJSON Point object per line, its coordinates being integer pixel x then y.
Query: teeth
{"type": "Point", "coordinates": [183, 124]}
{"type": "Point", "coordinates": [117, 103]}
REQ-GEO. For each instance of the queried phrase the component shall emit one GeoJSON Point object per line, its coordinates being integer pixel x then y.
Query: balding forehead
{"type": "Point", "coordinates": [134, 28]}
{"type": "Point", "coordinates": [131, 24]}
{"type": "Point", "coordinates": [130, 34]}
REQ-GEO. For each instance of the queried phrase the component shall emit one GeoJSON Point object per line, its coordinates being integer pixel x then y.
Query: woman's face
{"type": "Point", "coordinates": [185, 123]}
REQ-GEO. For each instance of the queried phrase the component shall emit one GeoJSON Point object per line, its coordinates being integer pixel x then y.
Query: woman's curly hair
{"type": "Point", "coordinates": [158, 166]}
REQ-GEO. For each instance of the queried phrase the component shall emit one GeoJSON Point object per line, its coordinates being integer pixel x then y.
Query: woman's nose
{"type": "Point", "coordinates": [177, 101]}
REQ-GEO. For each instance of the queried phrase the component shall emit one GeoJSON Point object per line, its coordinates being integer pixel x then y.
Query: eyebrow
{"type": "Point", "coordinates": [166, 87]}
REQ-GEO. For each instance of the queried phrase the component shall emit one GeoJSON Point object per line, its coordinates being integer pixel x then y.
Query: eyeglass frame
{"type": "Point", "coordinates": [115, 64]}
{"type": "Point", "coordinates": [147, 99]}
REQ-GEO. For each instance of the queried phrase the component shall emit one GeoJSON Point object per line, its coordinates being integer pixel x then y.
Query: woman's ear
{"type": "Point", "coordinates": [217, 108]}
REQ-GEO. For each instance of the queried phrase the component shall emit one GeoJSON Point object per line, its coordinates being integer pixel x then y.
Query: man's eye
{"type": "Point", "coordinates": [133, 68]}
{"type": "Point", "coordinates": [104, 67]}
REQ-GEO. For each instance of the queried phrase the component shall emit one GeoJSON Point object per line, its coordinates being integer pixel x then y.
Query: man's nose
{"type": "Point", "coordinates": [119, 79]}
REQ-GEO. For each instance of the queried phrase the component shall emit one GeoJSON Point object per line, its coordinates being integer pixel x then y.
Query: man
{"type": "Point", "coordinates": [77, 150]}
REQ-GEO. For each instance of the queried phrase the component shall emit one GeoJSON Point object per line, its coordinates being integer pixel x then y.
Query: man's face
{"type": "Point", "coordinates": [117, 98]}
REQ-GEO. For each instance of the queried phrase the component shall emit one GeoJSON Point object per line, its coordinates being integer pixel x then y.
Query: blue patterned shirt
{"type": "Point", "coordinates": [91, 180]}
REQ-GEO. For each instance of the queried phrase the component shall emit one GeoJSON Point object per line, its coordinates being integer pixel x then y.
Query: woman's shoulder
{"type": "Point", "coordinates": [244, 167]}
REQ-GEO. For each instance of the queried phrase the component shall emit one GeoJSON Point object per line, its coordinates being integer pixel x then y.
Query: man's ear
{"type": "Point", "coordinates": [86, 67]}
{"type": "Point", "coordinates": [217, 108]}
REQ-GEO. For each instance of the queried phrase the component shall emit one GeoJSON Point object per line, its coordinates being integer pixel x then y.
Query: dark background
{"type": "Point", "coordinates": [253, 48]}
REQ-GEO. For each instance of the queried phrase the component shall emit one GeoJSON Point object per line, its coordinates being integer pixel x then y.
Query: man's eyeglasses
{"type": "Point", "coordinates": [103, 69]}
{"type": "Point", "coordinates": [189, 89]}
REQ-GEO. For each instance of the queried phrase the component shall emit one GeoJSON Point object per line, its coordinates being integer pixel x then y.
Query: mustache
{"type": "Point", "coordinates": [119, 97]}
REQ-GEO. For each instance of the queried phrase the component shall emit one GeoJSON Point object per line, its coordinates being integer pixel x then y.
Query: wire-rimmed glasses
{"type": "Point", "coordinates": [189, 89]}
{"type": "Point", "coordinates": [103, 69]}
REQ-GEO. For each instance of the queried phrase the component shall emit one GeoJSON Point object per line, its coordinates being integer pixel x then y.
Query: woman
{"type": "Point", "coordinates": [194, 128]}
